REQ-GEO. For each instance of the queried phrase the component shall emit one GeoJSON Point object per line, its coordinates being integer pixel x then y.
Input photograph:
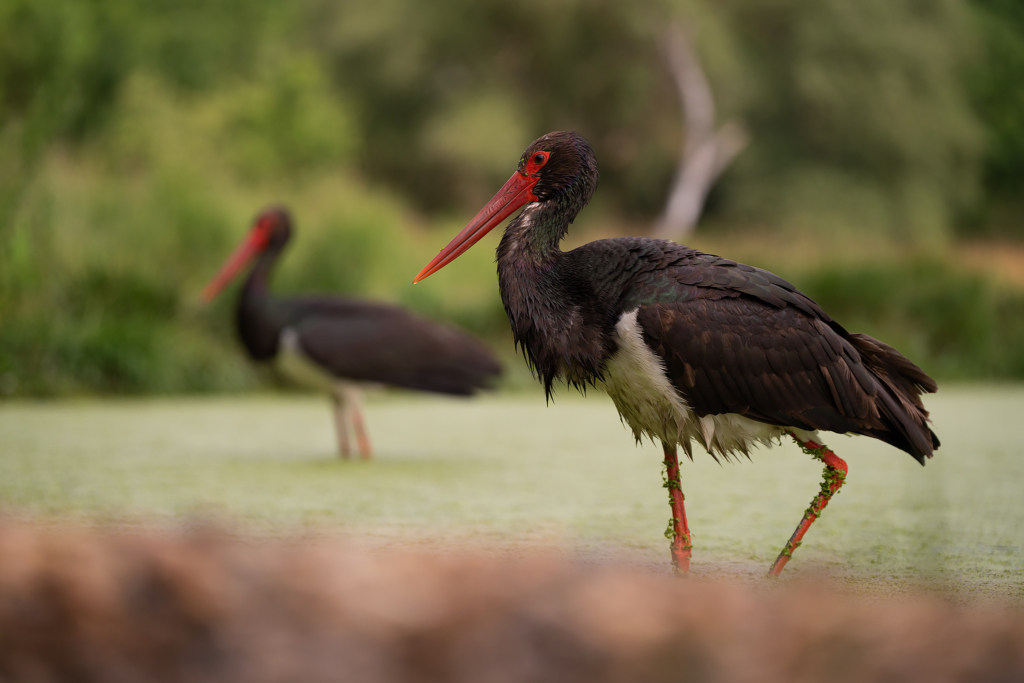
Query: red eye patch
{"type": "Point", "coordinates": [536, 161]}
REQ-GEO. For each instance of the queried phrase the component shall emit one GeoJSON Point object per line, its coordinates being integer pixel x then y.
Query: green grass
{"type": "Point", "coordinates": [507, 473]}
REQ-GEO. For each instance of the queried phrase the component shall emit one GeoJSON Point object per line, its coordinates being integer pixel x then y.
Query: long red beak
{"type": "Point", "coordinates": [516, 192]}
{"type": "Point", "coordinates": [246, 251]}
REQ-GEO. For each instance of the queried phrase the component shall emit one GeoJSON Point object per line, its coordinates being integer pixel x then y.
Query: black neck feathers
{"type": "Point", "coordinates": [257, 316]}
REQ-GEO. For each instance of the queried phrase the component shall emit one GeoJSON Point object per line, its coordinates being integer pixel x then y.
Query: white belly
{"type": "Point", "coordinates": [636, 382]}
{"type": "Point", "coordinates": [293, 364]}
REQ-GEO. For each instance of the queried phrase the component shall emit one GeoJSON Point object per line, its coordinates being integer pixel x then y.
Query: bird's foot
{"type": "Point", "coordinates": [832, 479]}
{"type": "Point", "coordinates": [681, 549]}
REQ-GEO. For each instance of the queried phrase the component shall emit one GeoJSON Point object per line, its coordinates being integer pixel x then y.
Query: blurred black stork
{"type": "Point", "coordinates": [690, 346]}
{"type": "Point", "coordinates": [333, 343]}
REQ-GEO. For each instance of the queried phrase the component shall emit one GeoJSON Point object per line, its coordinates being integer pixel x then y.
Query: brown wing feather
{"type": "Point", "coordinates": [782, 366]}
{"type": "Point", "coordinates": [394, 347]}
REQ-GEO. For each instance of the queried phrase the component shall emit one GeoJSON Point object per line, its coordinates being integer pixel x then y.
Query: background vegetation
{"type": "Point", "coordinates": [137, 141]}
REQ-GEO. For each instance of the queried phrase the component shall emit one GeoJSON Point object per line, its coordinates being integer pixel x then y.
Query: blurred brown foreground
{"type": "Point", "coordinates": [86, 605]}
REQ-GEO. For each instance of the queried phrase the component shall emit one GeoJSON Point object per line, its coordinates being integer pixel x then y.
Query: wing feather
{"type": "Point", "coordinates": [792, 366]}
{"type": "Point", "coordinates": [777, 365]}
{"type": "Point", "coordinates": [398, 349]}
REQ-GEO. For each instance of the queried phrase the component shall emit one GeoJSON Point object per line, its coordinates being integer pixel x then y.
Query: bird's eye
{"type": "Point", "coordinates": [536, 162]}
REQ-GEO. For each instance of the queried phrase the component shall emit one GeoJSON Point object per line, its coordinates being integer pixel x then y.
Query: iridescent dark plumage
{"type": "Point", "coordinates": [733, 338]}
{"type": "Point", "coordinates": [329, 340]}
{"type": "Point", "coordinates": [690, 346]}
{"type": "Point", "coordinates": [359, 340]}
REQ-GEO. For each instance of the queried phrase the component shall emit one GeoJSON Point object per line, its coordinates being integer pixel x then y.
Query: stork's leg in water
{"type": "Point", "coordinates": [833, 478]}
{"type": "Point", "coordinates": [678, 531]}
{"type": "Point", "coordinates": [340, 409]}
{"type": "Point", "coordinates": [355, 403]}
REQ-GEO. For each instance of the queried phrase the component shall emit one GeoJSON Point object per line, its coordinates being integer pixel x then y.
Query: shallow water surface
{"type": "Point", "coordinates": [508, 473]}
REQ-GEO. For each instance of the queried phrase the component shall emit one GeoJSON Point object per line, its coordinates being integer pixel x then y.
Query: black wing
{"type": "Point", "coordinates": [781, 366]}
{"type": "Point", "coordinates": [738, 339]}
{"type": "Point", "coordinates": [385, 344]}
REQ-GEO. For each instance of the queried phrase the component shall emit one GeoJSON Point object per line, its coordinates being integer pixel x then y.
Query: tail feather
{"type": "Point", "coordinates": [460, 376]}
{"type": "Point", "coordinates": [456, 364]}
{"type": "Point", "coordinates": [902, 385]}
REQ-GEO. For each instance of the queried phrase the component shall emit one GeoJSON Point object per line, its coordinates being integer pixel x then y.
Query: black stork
{"type": "Point", "coordinates": [690, 346]}
{"type": "Point", "coordinates": [333, 343]}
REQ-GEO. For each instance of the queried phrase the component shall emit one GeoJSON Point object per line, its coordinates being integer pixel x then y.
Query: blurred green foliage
{"type": "Point", "coordinates": [860, 116]}
{"type": "Point", "coordinates": [995, 87]}
{"type": "Point", "coordinates": [956, 324]}
{"type": "Point", "coordinates": [138, 139]}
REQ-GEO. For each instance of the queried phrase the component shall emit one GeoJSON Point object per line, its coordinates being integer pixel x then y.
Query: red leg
{"type": "Point", "coordinates": [834, 476]}
{"type": "Point", "coordinates": [678, 531]}
{"type": "Point", "coordinates": [340, 427]}
{"type": "Point", "coordinates": [365, 448]}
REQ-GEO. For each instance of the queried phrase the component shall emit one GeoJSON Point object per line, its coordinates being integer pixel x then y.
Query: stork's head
{"type": "Point", "coordinates": [271, 230]}
{"type": "Point", "coordinates": [557, 171]}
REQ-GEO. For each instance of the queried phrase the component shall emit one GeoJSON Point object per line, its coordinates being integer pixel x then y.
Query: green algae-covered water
{"type": "Point", "coordinates": [507, 474]}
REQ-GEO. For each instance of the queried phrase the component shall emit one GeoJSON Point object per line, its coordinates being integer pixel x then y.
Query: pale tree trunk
{"type": "Point", "coordinates": [706, 151]}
